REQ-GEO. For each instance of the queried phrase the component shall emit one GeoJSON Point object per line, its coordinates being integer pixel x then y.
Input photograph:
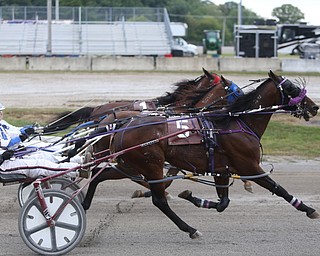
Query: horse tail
{"type": "Point", "coordinates": [66, 119]}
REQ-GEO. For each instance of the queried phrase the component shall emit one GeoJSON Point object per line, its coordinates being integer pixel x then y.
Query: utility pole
{"type": "Point", "coordinates": [240, 13]}
{"type": "Point", "coordinates": [49, 20]}
{"type": "Point", "coordinates": [57, 10]}
{"type": "Point", "coordinates": [238, 28]}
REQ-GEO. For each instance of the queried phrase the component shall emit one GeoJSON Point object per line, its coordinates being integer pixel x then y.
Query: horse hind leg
{"type": "Point", "coordinates": [160, 201]}
{"type": "Point", "coordinates": [277, 189]}
{"type": "Point", "coordinates": [108, 174]}
{"type": "Point", "coordinates": [172, 171]}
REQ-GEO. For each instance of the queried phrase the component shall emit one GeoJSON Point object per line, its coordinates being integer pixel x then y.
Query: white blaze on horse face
{"type": "Point", "coordinates": [181, 125]}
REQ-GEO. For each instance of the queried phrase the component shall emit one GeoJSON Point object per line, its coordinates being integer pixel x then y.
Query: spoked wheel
{"type": "Point", "coordinates": [64, 235]}
{"type": "Point", "coordinates": [26, 189]}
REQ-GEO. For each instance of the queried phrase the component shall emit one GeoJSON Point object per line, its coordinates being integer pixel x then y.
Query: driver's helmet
{"type": "Point", "coordinates": [2, 107]}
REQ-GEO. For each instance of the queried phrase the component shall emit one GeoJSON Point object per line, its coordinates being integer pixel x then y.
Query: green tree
{"type": "Point", "coordinates": [288, 13]}
{"type": "Point", "coordinates": [230, 14]}
{"type": "Point", "coordinates": [15, 2]}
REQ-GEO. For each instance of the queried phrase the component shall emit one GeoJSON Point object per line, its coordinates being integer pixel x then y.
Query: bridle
{"type": "Point", "coordinates": [297, 100]}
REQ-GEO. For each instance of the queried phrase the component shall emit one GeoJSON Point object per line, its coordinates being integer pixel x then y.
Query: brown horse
{"type": "Point", "coordinates": [218, 94]}
{"type": "Point", "coordinates": [215, 93]}
{"type": "Point", "coordinates": [144, 147]}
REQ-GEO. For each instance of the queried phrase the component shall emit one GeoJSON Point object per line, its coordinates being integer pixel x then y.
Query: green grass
{"type": "Point", "coordinates": [291, 140]}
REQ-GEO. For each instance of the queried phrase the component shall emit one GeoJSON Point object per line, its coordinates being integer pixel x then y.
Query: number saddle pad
{"type": "Point", "coordinates": [144, 105]}
{"type": "Point", "coordinates": [189, 137]}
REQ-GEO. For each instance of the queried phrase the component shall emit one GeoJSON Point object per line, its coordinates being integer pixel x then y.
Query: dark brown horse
{"type": "Point", "coordinates": [144, 147]}
{"type": "Point", "coordinates": [211, 91]}
{"type": "Point", "coordinates": [218, 94]}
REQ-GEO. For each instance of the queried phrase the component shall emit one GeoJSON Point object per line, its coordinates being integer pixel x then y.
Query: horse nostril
{"type": "Point", "coordinates": [315, 108]}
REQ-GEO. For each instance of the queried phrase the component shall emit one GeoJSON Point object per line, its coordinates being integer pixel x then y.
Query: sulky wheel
{"type": "Point", "coordinates": [64, 235]}
{"type": "Point", "coordinates": [26, 189]}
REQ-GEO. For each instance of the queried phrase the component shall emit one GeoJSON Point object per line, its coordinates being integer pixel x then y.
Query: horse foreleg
{"type": "Point", "coordinates": [275, 188]}
{"type": "Point", "coordinates": [222, 191]}
{"type": "Point", "coordinates": [160, 201]}
{"type": "Point", "coordinates": [222, 187]}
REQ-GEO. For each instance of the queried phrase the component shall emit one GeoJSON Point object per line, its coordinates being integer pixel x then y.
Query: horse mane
{"type": "Point", "coordinates": [244, 102]}
{"type": "Point", "coordinates": [195, 95]}
{"type": "Point", "coordinates": [183, 88]}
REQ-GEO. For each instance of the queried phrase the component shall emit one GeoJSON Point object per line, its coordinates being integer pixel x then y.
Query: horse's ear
{"type": "Point", "coordinates": [224, 80]}
{"type": "Point", "coordinates": [274, 77]}
{"type": "Point", "coordinates": [207, 74]}
{"type": "Point", "coordinates": [271, 74]}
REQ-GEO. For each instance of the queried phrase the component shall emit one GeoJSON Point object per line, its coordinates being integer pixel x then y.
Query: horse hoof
{"type": "Point", "coordinates": [196, 235]}
{"type": "Point", "coordinates": [314, 215]}
{"type": "Point", "coordinates": [137, 193]}
{"type": "Point", "coordinates": [248, 186]}
{"type": "Point", "coordinates": [169, 197]}
{"type": "Point", "coordinates": [185, 194]}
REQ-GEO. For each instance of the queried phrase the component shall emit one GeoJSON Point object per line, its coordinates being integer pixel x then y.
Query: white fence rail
{"type": "Point", "coordinates": [117, 38]}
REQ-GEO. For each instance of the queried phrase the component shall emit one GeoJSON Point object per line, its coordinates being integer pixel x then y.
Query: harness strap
{"type": "Point", "coordinates": [243, 127]}
{"type": "Point", "coordinates": [210, 141]}
{"type": "Point", "coordinates": [299, 98]}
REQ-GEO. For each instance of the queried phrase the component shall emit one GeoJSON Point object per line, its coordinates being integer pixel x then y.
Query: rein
{"type": "Point", "coordinates": [194, 177]}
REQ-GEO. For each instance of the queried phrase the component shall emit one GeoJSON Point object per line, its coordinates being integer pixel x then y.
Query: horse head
{"type": "Point", "coordinates": [190, 92]}
{"type": "Point", "coordinates": [212, 79]}
{"type": "Point", "coordinates": [221, 93]}
{"type": "Point", "coordinates": [294, 96]}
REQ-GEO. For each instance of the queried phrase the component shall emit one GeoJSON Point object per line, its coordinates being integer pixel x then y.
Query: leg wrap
{"type": "Point", "coordinates": [296, 203]}
{"type": "Point", "coordinates": [280, 191]}
{"type": "Point", "coordinates": [203, 203]}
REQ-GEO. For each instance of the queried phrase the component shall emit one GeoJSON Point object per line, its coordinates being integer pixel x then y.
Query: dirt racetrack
{"type": "Point", "coordinates": [75, 89]}
{"type": "Point", "coordinates": [254, 224]}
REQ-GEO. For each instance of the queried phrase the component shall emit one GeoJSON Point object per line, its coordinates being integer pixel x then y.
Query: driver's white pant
{"type": "Point", "coordinates": [51, 156]}
{"type": "Point", "coordinates": [34, 168]}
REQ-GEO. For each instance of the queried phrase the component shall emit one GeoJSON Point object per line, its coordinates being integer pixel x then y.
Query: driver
{"type": "Point", "coordinates": [32, 166]}
{"type": "Point", "coordinates": [11, 136]}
